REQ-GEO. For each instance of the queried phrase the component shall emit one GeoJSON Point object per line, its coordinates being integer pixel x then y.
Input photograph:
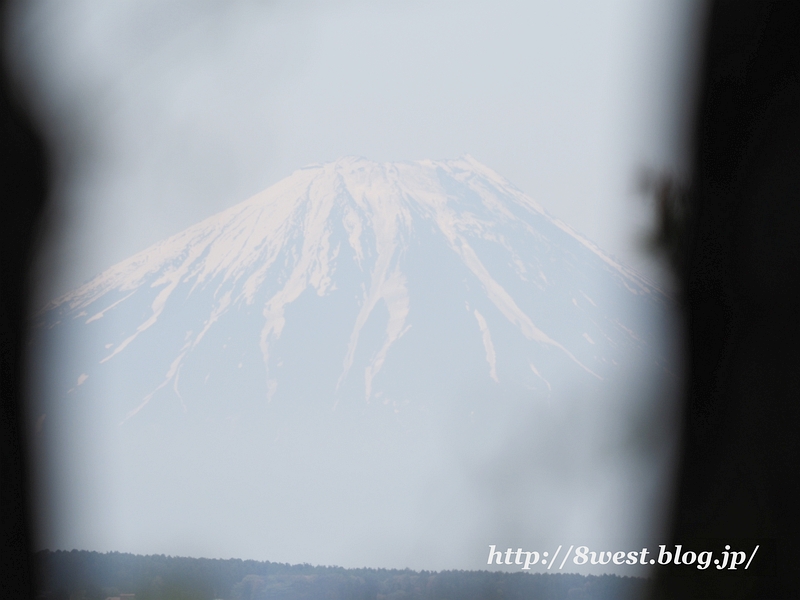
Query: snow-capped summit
{"type": "Point", "coordinates": [377, 240]}
{"type": "Point", "coordinates": [351, 352]}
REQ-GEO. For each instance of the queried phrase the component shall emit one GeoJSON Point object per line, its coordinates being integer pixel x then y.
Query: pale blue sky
{"type": "Point", "coordinates": [165, 113]}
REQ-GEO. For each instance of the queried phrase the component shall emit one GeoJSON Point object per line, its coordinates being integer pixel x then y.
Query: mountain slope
{"type": "Point", "coordinates": [356, 228]}
{"type": "Point", "coordinates": [351, 365]}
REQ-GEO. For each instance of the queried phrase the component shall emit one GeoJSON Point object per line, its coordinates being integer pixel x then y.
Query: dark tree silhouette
{"type": "Point", "coordinates": [24, 187]}
{"type": "Point", "coordinates": [737, 251]}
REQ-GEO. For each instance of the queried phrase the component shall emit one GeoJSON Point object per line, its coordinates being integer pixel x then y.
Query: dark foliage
{"type": "Point", "coordinates": [81, 575]}
{"type": "Point", "coordinates": [23, 187]}
{"type": "Point", "coordinates": [672, 203]}
{"type": "Point", "coordinates": [738, 251]}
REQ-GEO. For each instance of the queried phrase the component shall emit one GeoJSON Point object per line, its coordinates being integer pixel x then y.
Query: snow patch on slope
{"type": "Point", "coordinates": [491, 357]}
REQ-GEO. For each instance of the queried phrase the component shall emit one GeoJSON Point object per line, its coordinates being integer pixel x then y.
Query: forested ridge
{"type": "Point", "coordinates": [83, 575]}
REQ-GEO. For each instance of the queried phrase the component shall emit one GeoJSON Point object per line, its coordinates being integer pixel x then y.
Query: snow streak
{"type": "Point", "coordinates": [286, 240]}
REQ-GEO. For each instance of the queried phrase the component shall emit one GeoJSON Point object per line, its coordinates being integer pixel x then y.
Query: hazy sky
{"type": "Point", "coordinates": [164, 113]}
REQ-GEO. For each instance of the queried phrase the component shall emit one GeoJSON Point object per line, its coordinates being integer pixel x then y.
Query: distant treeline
{"type": "Point", "coordinates": [81, 575]}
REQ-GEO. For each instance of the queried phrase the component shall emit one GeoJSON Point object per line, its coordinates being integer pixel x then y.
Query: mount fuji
{"type": "Point", "coordinates": [345, 358]}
